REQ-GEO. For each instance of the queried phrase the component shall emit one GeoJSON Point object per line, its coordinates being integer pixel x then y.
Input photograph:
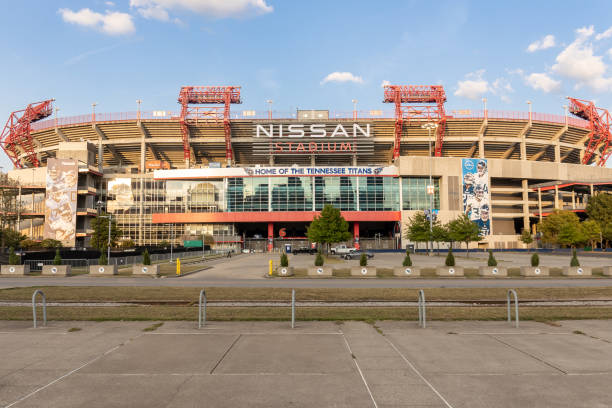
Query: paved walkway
{"type": "Point", "coordinates": [317, 364]}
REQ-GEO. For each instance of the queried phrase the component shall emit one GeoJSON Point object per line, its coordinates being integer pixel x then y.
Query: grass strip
{"type": "Point", "coordinates": [166, 313]}
{"type": "Point", "coordinates": [190, 295]}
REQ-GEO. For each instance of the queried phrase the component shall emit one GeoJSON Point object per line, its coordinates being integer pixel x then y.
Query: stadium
{"type": "Point", "coordinates": [254, 180]}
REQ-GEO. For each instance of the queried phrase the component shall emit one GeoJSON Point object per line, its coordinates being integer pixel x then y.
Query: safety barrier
{"type": "Point", "coordinates": [516, 310]}
{"type": "Point", "coordinates": [44, 306]}
{"type": "Point", "coordinates": [422, 313]}
{"type": "Point", "coordinates": [292, 308]}
{"type": "Point", "coordinates": [202, 309]}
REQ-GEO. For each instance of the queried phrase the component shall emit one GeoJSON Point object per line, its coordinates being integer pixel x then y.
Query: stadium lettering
{"type": "Point", "coordinates": [310, 131]}
{"type": "Point", "coordinates": [312, 147]}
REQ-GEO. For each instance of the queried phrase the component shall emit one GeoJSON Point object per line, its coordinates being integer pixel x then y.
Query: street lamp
{"type": "Point", "coordinates": [486, 113]}
{"type": "Point", "coordinates": [430, 188]}
{"type": "Point", "coordinates": [354, 108]}
{"type": "Point", "coordinates": [93, 111]}
{"type": "Point", "coordinates": [269, 102]}
{"type": "Point", "coordinates": [529, 103]}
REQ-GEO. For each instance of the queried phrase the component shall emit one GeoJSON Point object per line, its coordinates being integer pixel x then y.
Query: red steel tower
{"type": "Point", "coordinates": [207, 95]}
{"type": "Point", "coordinates": [417, 97]}
{"type": "Point", "coordinates": [599, 125]}
{"type": "Point", "coordinates": [16, 136]}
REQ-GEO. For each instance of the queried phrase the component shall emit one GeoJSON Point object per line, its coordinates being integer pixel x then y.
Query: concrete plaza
{"type": "Point", "coordinates": [317, 364]}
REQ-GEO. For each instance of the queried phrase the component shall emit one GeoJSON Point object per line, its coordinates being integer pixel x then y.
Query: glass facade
{"type": "Point", "coordinates": [246, 194]}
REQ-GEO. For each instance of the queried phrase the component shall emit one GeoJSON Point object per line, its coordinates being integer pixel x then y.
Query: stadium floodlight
{"type": "Point", "coordinates": [354, 108]}
{"type": "Point", "coordinates": [269, 102]}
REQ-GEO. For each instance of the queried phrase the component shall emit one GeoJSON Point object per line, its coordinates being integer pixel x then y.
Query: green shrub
{"type": "Point", "coordinates": [492, 261]}
{"type": "Point", "coordinates": [574, 261]}
{"type": "Point", "coordinates": [58, 259]}
{"type": "Point", "coordinates": [319, 259]}
{"type": "Point", "coordinates": [103, 259]}
{"type": "Point", "coordinates": [407, 260]}
{"type": "Point", "coordinates": [284, 260]}
{"type": "Point", "coordinates": [363, 261]}
{"type": "Point", "coordinates": [146, 258]}
{"type": "Point", "coordinates": [535, 260]}
{"type": "Point", "coordinates": [13, 259]}
{"type": "Point", "coordinates": [450, 258]}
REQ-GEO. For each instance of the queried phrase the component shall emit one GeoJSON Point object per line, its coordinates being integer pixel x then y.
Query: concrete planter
{"type": "Point", "coordinates": [607, 270]}
{"type": "Point", "coordinates": [451, 271]}
{"type": "Point", "coordinates": [577, 271]}
{"type": "Point", "coordinates": [102, 270]}
{"type": "Point", "coordinates": [57, 270]}
{"type": "Point", "coordinates": [320, 271]}
{"type": "Point", "coordinates": [15, 270]}
{"type": "Point", "coordinates": [284, 271]}
{"type": "Point", "coordinates": [493, 271]}
{"type": "Point", "coordinates": [140, 269]}
{"type": "Point", "coordinates": [363, 271]}
{"type": "Point", "coordinates": [534, 271]}
{"type": "Point", "coordinates": [407, 271]}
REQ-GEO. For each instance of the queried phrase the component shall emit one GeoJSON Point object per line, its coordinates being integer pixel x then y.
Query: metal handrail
{"type": "Point", "coordinates": [44, 306]}
{"type": "Point", "coordinates": [516, 310]}
{"type": "Point", "coordinates": [292, 308]}
{"type": "Point", "coordinates": [202, 309]}
{"type": "Point", "coordinates": [422, 312]}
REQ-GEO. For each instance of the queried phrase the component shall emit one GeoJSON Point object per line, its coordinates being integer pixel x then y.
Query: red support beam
{"type": "Point", "coordinates": [599, 125]}
{"type": "Point", "coordinates": [417, 102]}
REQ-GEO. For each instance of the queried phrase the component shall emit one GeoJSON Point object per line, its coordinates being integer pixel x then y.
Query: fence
{"type": "Point", "coordinates": [37, 264]}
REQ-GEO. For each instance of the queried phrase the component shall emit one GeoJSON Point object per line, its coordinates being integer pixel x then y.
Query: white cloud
{"type": "Point", "coordinates": [342, 77]}
{"type": "Point", "coordinates": [385, 83]}
{"type": "Point", "coordinates": [113, 23]}
{"type": "Point", "coordinates": [547, 41]}
{"type": "Point", "coordinates": [579, 63]}
{"type": "Point", "coordinates": [542, 82]}
{"type": "Point", "coordinates": [154, 12]}
{"type": "Point", "coordinates": [109, 3]}
{"type": "Point", "coordinates": [473, 87]}
{"type": "Point", "coordinates": [213, 8]}
{"type": "Point", "coordinates": [605, 34]}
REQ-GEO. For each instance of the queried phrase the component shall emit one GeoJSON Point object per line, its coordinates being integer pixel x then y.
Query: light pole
{"type": "Point", "coordinates": [171, 243]}
{"type": "Point", "coordinates": [109, 216]}
{"type": "Point", "coordinates": [93, 112]}
{"type": "Point", "coordinates": [56, 110]}
{"type": "Point", "coordinates": [138, 101]}
{"type": "Point", "coordinates": [269, 102]}
{"type": "Point", "coordinates": [529, 103]}
{"type": "Point", "coordinates": [354, 108]}
{"type": "Point", "coordinates": [486, 113]}
{"type": "Point", "coordinates": [430, 188]}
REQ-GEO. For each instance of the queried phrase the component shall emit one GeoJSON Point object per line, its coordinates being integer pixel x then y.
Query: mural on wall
{"type": "Point", "coordinates": [61, 201]}
{"type": "Point", "coordinates": [476, 203]}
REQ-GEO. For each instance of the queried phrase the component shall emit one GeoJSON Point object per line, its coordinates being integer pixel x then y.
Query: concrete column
{"type": "Point", "coordinates": [523, 149]}
{"type": "Point", "coordinates": [525, 204]}
{"type": "Point", "coordinates": [573, 200]}
{"type": "Point", "coordinates": [270, 236]}
{"type": "Point", "coordinates": [481, 152]}
{"type": "Point", "coordinates": [100, 155]}
{"type": "Point", "coordinates": [592, 191]}
{"type": "Point", "coordinates": [271, 162]}
{"type": "Point", "coordinates": [556, 196]}
{"type": "Point", "coordinates": [557, 152]}
{"type": "Point", "coordinates": [540, 202]}
{"type": "Point", "coordinates": [356, 234]}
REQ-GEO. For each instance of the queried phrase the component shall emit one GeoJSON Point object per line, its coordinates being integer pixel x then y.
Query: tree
{"type": "Point", "coordinates": [10, 207]}
{"type": "Point", "coordinates": [319, 259]}
{"type": "Point", "coordinates": [126, 243]}
{"type": "Point", "coordinates": [58, 258]}
{"type": "Point", "coordinates": [50, 243]}
{"type": "Point", "coordinates": [208, 240]}
{"type": "Point", "coordinates": [535, 260]}
{"type": "Point", "coordinates": [407, 260]}
{"type": "Point", "coordinates": [363, 261]}
{"type": "Point", "coordinates": [450, 258]}
{"type": "Point", "coordinates": [561, 228]}
{"type": "Point", "coordinates": [526, 238]}
{"type": "Point", "coordinates": [284, 260]}
{"type": "Point", "coordinates": [419, 229]}
{"type": "Point", "coordinates": [12, 238]}
{"type": "Point", "coordinates": [146, 258]}
{"type": "Point", "coordinates": [328, 227]}
{"type": "Point", "coordinates": [574, 260]}
{"type": "Point", "coordinates": [491, 261]}
{"type": "Point", "coordinates": [13, 258]}
{"type": "Point", "coordinates": [103, 260]}
{"type": "Point", "coordinates": [599, 209]}
{"type": "Point", "coordinates": [591, 231]}
{"type": "Point", "coordinates": [99, 238]}
{"type": "Point", "coordinates": [440, 234]}
{"type": "Point", "coordinates": [463, 229]}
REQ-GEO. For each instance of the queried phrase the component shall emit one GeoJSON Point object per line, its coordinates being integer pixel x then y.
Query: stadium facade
{"type": "Point", "coordinates": [256, 182]}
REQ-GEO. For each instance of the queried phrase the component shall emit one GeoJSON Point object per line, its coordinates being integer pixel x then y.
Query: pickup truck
{"type": "Point", "coordinates": [342, 250]}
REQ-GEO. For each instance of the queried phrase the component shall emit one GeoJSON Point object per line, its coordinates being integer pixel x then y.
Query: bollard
{"type": "Point", "coordinates": [516, 310]}
{"type": "Point", "coordinates": [422, 311]}
{"type": "Point", "coordinates": [44, 306]}
{"type": "Point", "coordinates": [202, 309]}
{"type": "Point", "coordinates": [178, 266]}
{"type": "Point", "coordinates": [293, 308]}
{"type": "Point", "coordinates": [271, 269]}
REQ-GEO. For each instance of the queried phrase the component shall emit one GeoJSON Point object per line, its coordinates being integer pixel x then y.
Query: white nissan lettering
{"type": "Point", "coordinates": [299, 130]}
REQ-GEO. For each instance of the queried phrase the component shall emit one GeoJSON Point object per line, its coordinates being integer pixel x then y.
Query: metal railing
{"type": "Point", "coordinates": [292, 308]}
{"type": "Point", "coordinates": [516, 310]}
{"type": "Point", "coordinates": [44, 307]}
{"type": "Point", "coordinates": [422, 311]}
{"type": "Point", "coordinates": [37, 264]}
{"type": "Point", "coordinates": [202, 309]}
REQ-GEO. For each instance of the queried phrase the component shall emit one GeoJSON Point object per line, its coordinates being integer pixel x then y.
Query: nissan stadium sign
{"type": "Point", "coordinates": [312, 138]}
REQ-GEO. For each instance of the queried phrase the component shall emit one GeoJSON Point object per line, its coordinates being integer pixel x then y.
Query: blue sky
{"type": "Point", "coordinates": [114, 53]}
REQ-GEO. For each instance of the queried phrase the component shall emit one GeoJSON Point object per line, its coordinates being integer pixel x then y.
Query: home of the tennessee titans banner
{"type": "Point", "coordinates": [476, 203]}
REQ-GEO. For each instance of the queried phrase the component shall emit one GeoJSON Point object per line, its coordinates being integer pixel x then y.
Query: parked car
{"type": "Point", "coordinates": [304, 250]}
{"type": "Point", "coordinates": [342, 249]}
{"type": "Point", "coordinates": [357, 254]}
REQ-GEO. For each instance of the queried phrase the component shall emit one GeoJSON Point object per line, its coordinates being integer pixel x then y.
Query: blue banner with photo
{"type": "Point", "coordinates": [476, 202]}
